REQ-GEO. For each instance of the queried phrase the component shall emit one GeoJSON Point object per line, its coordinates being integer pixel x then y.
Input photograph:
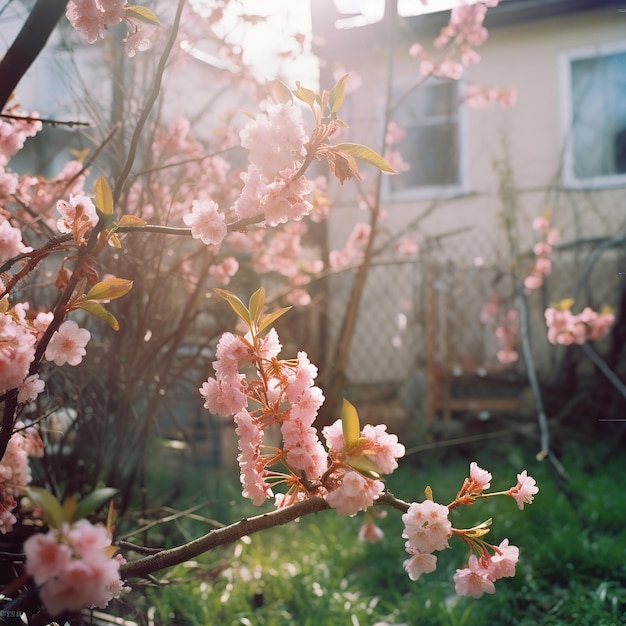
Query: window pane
{"type": "Point", "coordinates": [599, 115]}
{"type": "Point", "coordinates": [432, 153]}
{"type": "Point", "coordinates": [431, 146]}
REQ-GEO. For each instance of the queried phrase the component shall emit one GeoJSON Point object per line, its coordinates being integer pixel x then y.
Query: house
{"type": "Point", "coordinates": [477, 178]}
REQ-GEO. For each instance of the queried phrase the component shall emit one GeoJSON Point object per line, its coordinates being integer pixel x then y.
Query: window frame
{"type": "Point", "coordinates": [428, 192]}
{"type": "Point", "coordinates": [568, 174]}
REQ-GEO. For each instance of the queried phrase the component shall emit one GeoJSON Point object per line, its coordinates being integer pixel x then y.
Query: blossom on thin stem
{"type": "Point", "coordinates": [525, 489]}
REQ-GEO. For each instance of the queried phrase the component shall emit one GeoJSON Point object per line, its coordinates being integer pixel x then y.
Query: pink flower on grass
{"type": "Point", "coordinates": [419, 563]}
{"type": "Point", "coordinates": [68, 344]}
{"type": "Point", "coordinates": [525, 489]}
{"type": "Point", "coordinates": [369, 531]}
{"type": "Point", "coordinates": [207, 223]}
{"type": "Point", "coordinates": [426, 526]}
{"type": "Point", "coordinates": [473, 580]}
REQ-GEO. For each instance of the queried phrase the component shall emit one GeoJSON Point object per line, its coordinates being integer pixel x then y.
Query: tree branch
{"type": "Point", "coordinates": [28, 44]}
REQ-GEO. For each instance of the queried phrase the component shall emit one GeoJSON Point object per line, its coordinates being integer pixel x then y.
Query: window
{"type": "Point", "coordinates": [430, 117]}
{"type": "Point", "coordinates": [595, 132]}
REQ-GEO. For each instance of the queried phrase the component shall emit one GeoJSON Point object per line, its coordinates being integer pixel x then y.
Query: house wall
{"type": "Point", "coordinates": [528, 138]}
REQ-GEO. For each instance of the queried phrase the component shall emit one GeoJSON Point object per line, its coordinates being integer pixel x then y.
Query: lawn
{"type": "Point", "coordinates": [572, 567]}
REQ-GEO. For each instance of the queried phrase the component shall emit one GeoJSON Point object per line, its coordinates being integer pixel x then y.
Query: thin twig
{"type": "Point", "coordinates": [604, 368]}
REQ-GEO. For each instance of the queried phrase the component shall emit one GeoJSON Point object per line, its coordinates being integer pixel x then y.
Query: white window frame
{"type": "Point", "coordinates": [434, 191]}
{"type": "Point", "coordinates": [569, 178]}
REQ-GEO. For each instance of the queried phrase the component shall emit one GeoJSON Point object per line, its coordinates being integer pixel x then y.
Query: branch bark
{"type": "Point", "coordinates": [229, 534]}
{"type": "Point", "coordinates": [28, 45]}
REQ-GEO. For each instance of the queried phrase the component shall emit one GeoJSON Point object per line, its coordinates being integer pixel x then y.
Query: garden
{"type": "Point", "coordinates": [246, 379]}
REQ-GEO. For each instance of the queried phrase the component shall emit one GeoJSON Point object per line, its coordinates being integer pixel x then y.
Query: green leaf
{"type": "Point", "coordinates": [95, 308]}
{"type": "Point", "coordinates": [109, 289]}
{"type": "Point", "coordinates": [104, 196]}
{"type": "Point", "coordinates": [131, 220]}
{"type": "Point", "coordinates": [235, 304]}
{"type": "Point", "coordinates": [350, 424]}
{"type": "Point", "coordinates": [364, 465]}
{"type": "Point", "coordinates": [51, 507]}
{"type": "Point", "coordinates": [366, 154]}
{"type": "Point", "coordinates": [279, 92]}
{"type": "Point", "coordinates": [92, 501]}
{"type": "Point", "coordinates": [141, 13]}
{"type": "Point", "coordinates": [255, 306]}
{"type": "Point", "coordinates": [270, 318]}
{"type": "Point", "coordinates": [306, 95]}
{"type": "Point", "coordinates": [338, 94]}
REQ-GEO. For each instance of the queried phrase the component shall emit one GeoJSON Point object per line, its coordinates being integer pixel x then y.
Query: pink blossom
{"type": "Point", "coordinates": [355, 493]}
{"type": "Point", "coordinates": [298, 297]}
{"type": "Point", "coordinates": [30, 389]}
{"type": "Point", "coordinates": [17, 350]}
{"type": "Point", "coordinates": [426, 526]}
{"type": "Point", "coordinates": [407, 246]}
{"type": "Point", "coordinates": [419, 563]}
{"type": "Point", "coordinates": [276, 140]}
{"type": "Point", "coordinates": [525, 489]}
{"type": "Point", "coordinates": [46, 556]}
{"type": "Point", "coordinates": [542, 248]}
{"type": "Point", "coordinates": [480, 476]}
{"type": "Point", "coordinates": [207, 223]}
{"type": "Point", "coordinates": [68, 344]}
{"type": "Point", "coordinates": [533, 282]}
{"type": "Point", "coordinates": [252, 476]}
{"type": "Point", "coordinates": [383, 448]}
{"type": "Point", "coordinates": [91, 18]}
{"type": "Point", "coordinates": [334, 436]}
{"type": "Point", "coordinates": [502, 563]}
{"type": "Point", "coordinates": [473, 580]}
{"type": "Point", "coordinates": [394, 134]}
{"type": "Point", "coordinates": [369, 531]}
{"type": "Point", "coordinates": [79, 214]}
{"type": "Point", "coordinates": [10, 241]}
{"type": "Point", "coordinates": [138, 38]}
{"type": "Point", "coordinates": [541, 223]}
{"type": "Point", "coordinates": [225, 270]}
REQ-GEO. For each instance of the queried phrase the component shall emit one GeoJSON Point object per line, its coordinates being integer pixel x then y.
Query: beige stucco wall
{"type": "Point", "coordinates": [528, 135]}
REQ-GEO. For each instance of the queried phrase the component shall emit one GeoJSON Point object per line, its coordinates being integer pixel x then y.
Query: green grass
{"type": "Point", "coordinates": [572, 566]}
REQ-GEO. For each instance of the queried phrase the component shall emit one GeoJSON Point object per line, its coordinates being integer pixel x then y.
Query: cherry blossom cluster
{"type": "Point", "coordinates": [352, 252]}
{"type": "Point", "coordinates": [505, 322]}
{"type": "Point", "coordinates": [283, 392]}
{"type": "Point", "coordinates": [464, 32]}
{"type": "Point", "coordinates": [260, 391]}
{"type": "Point", "coordinates": [566, 328]}
{"type": "Point", "coordinates": [92, 19]}
{"type": "Point", "coordinates": [273, 183]}
{"type": "Point", "coordinates": [18, 338]}
{"type": "Point", "coordinates": [13, 134]}
{"type": "Point", "coordinates": [74, 567]}
{"type": "Point", "coordinates": [542, 249]}
{"type": "Point", "coordinates": [480, 96]}
{"type": "Point", "coordinates": [15, 474]}
{"type": "Point", "coordinates": [427, 529]}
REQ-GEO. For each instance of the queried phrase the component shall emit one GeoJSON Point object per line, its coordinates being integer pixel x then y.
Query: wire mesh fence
{"type": "Point", "coordinates": [423, 320]}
